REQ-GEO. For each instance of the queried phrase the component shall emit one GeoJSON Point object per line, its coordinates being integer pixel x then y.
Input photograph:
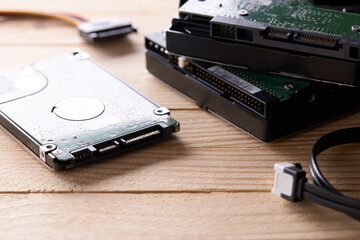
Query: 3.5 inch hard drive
{"type": "Point", "coordinates": [266, 106]}
{"type": "Point", "coordinates": [68, 110]}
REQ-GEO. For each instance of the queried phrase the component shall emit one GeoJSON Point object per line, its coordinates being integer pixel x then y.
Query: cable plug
{"type": "Point", "coordinates": [95, 31]}
{"type": "Point", "coordinates": [289, 181]}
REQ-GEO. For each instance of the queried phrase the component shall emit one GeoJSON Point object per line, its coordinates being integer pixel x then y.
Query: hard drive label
{"type": "Point", "coordinates": [235, 80]}
{"type": "Point", "coordinates": [256, 2]}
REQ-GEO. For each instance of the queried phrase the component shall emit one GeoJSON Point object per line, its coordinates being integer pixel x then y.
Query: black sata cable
{"type": "Point", "coordinates": [291, 183]}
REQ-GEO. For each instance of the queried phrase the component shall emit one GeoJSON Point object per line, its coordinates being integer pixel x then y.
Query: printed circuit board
{"type": "Point", "coordinates": [282, 13]}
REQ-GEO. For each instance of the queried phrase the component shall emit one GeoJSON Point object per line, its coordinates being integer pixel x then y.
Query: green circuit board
{"type": "Point", "coordinates": [298, 14]}
{"type": "Point", "coordinates": [278, 86]}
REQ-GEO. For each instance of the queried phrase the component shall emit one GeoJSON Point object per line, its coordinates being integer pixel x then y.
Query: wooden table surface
{"type": "Point", "coordinates": [209, 181]}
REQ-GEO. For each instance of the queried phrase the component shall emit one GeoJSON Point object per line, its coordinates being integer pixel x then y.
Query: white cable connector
{"type": "Point", "coordinates": [283, 182]}
{"type": "Point", "coordinates": [183, 62]}
{"type": "Point", "coordinates": [289, 180]}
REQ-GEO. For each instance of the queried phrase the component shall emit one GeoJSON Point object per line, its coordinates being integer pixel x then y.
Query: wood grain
{"type": "Point", "coordinates": [168, 216]}
{"type": "Point", "coordinates": [210, 181]}
{"type": "Point", "coordinates": [148, 16]}
{"type": "Point", "coordinates": [216, 157]}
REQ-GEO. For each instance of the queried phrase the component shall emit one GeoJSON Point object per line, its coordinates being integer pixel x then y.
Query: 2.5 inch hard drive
{"type": "Point", "coordinates": [68, 110]}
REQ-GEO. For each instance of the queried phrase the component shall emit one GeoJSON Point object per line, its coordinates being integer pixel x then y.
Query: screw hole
{"type": "Point", "coordinates": [311, 98]}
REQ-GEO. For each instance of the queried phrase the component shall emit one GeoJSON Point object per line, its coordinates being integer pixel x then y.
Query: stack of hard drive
{"type": "Point", "coordinates": [270, 67]}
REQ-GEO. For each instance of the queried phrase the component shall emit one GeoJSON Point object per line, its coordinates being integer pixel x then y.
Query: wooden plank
{"type": "Point", "coordinates": [217, 157]}
{"type": "Point", "coordinates": [168, 216]}
{"type": "Point", "coordinates": [148, 16]}
{"type": "Point", "coordinates": [210, 181]}
{"type": "Point", "coordinates": [155, 8]}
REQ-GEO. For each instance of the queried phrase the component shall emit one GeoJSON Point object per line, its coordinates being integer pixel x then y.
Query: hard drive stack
{"type": "Point", "coordinates": [270, 67]}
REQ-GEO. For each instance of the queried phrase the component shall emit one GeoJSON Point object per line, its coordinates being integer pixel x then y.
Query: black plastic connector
{"type": "Point", "coordinates": [289, 181]}
{"type": "Point", "coordinates": [96, 31]}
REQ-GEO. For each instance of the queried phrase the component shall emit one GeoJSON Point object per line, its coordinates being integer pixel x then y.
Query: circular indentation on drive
{"type": "Point", "coordinates": [30, 83]}
{"type": "Point", "coordinates": [243, 12]}
{"type": "Point", "coordinates": [161, 111]}
{"type": "Point", "coordinates": [50, 147]}
{"type": "Point", "coordinates": [57, 152]}
{"type": "Point", "coordinates": [79, 108]}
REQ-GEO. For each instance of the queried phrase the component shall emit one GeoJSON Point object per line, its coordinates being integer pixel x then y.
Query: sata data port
{"type": "Point", "coordinates": [106, 147]}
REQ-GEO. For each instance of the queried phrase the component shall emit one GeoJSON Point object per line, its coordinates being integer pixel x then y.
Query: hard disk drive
{"type": "Point", "coordinates": [68, 110]}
